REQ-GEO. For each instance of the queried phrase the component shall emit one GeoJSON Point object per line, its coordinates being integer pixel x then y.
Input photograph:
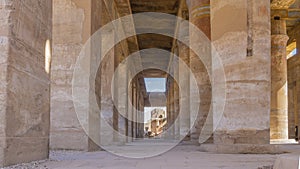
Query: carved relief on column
{"type": "Point", "coordinates": [279, 119]}
{"type": "Point", "coordinates": [200, 15]}
{"type": "Point", "coordinates": [281, 4]}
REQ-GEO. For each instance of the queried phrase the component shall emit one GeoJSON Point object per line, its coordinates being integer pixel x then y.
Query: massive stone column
{"type": "Point", "coordinates": [25, 52]}
{"type": "Point", "coordinates": [108, 114]}
{"type": "Point", "coordinates": [168, 111]}
{"type": "Point", "coordinates": [200, 16]}
{"type": "Point", "coordinates": [297, 99]}
{"type": "Point", "coordinates": [279, 119]}
{"type": "Point", "coordinates": [80, 20]}
{"type": "Point", "coordinates": [129, 107]}
{"type": "Point", "coordinates": [69, 35]}
{"type": "Point", "coordinates": [170, 105]}
{"type": "Point", "coordinates": [184, 84]}
{"type": "Point", "coordinates": [176, 98]}
{"type": "Point", "coordinates": [141, 115]}
{"type": "Point", "coordinates": [241, 36]}
{"type": "Point", "coordinates": [281, 125]}
{"type": "Point", "coordinates": [121, 88]}
{"type": "Point", "coordinates": [134, 111]}
{"type": "Point", "coordinates": [170, 108]}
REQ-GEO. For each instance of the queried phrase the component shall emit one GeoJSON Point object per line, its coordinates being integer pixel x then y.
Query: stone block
{"type": "Point", "coordinates": [241, 148]}
{"type": "Point", "coordinates": [2, 146]}
{"type": "Point", "coordinates": [64, 115]}
{"type": "Point", "coordinates": [26, 59]}
{"type": "Point", "coordinates": [28, 108]}
{"type": "Point", "coordinates": [3, 104]}
{"type": "Point", "coordinates": [25, 149]}
{"type": "Point", "coordinates": [65, 56]}
{"type": "Point", "coordinates": [68, 139]}
{"type": "Point", "coordinates": [3, 78]}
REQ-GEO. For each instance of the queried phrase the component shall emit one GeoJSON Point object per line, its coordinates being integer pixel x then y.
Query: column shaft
{"type": "Point", "coordinates": [279, 119]}
{"type": "Point", "coordinates": [200, 67]}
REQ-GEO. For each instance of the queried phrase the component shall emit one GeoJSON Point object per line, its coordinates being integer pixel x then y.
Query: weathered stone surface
{"type": "Point", "coordinates": [31, 114]}
{"type": "Point", "coordinates": [200, 15]}
{"type": "Point", "coordinates": [239, 29]}
{"type": "Point", "coordinates": [279, 114]}
{"type": "Point", "coordinates": [248, 85]}
{"type": "Point", "coordinates": [243, 148]}
{"type": "Point", "coordinates": [24, 88]}
{"type": "Point", "coordinates": [293, 69]}
{"type": "Point", "coordinates": [281, 4]}
{"type": "Point", "coordinates": [184, 89]}
{"type": "Point", "coordinates": [70, 32]}
{"type": "Point", "coordinates": [3, 88]}
{"type": "Point", "coordinates": [4, 48]}
{"type": "Point", "coordinates": [179, 157]}
{"type": "Point", "coordinates": [20, 150]}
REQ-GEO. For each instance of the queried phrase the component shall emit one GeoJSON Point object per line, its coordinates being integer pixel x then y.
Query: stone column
{"type": "Point", "coordinates": [168, 107]}
{"type": "Point", "coordinates": [130, 103]}
{"type": "Point", "coordinates": [176, 96]}
{"type": "Point", "coordinates": [68, 38]}
{"type": "Point", "coordinates": [297, 90]}
{"type": "Point", "coordinates": [141, 115]}
{"type": "Point", "coordinates": [279, 119]}
{"type": "Point", "coordinates": [25, 52]}
{"type": "Point", "coordinates": [176, 111]}
{"type": "Point", "coordinates": [293, 65]}
{"type": "Point", "coordinates": [172, 109]}
{"type": "Point", "coordinates": [200, 16]}
{"type": "Point", "coordinates": [184, 97]}
{"type": "Point", "coordinates": [244, 125]}
{"type": "Point", "coordinates": [121, 95]}
{"type": "Point", "coordinates": [107, 106]}
{"type": "Point", "coordinates": [297, 99]}
{"type": "Point", "coordinates": [135, 103]}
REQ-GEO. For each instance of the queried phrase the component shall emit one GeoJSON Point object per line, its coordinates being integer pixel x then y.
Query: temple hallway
{"type": "Point", "coordinates": [181, 157]}
{"type": "Point", "coordinates": [77, 75]}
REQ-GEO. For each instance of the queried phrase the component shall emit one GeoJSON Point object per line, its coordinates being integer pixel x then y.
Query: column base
{"type": "Point", "coordinates": [23, 150]}
{"type": "Point", "coordinates": [284, 141]}
{"type": "Point", "coordinates": [248, 148]}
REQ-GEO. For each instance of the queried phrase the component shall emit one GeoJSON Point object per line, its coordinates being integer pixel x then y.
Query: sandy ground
{"type": "Point", "coordinates": [181, 157]}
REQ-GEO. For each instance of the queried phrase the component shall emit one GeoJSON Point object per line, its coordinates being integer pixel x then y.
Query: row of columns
{"type": "Point", "coordinates": [179, 93]}
{"type": "Point", "coordinates": [121, 106]}
{"type": "Point", "coordinates": [294, 88]}
{"type": "Point", "coordinates": [282, 122]}
{"type": "Point", "coordinates": [200, 17]}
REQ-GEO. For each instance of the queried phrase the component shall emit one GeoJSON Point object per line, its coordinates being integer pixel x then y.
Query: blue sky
{"type": "Point", "coordinates": [155, 84]}
{"type": "Point", "coordinates": [293, 53]}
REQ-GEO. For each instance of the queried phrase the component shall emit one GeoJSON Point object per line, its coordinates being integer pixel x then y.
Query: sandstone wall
{"type": "Point", "coordinates": [24, 87]}
{"type": "Point", "coordinates": [241, 36]}
{"type": "Point", "coordinates": [5, 12]}
{"type": "Point", "coordinates": [71, 29]}
{"type": "Point", "coordinates": [80, 20]}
